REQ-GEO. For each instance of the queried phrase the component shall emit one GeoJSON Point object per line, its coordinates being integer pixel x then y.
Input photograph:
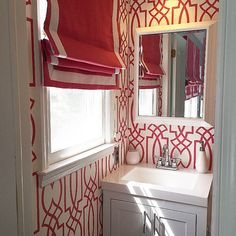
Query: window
{"type": "Point", "coordinates": [76, 121]}
{"type": "Point", "coordinates": [194, 107]}
{"type": "Point", "coordinates": [77, 125]}
{"type": "Point", "coordinates": [147, 102]}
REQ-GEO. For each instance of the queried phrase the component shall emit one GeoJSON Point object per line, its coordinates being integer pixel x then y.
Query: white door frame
{"type": "Point", "coordinates": [224, 188]}
{"type": "Point", "coordinates": [16, 104]}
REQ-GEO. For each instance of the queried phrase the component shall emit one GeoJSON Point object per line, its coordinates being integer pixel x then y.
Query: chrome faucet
{"type": "Point", "coordinates": [165, 162]}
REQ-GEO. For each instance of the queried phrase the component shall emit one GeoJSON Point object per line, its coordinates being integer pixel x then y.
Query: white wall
{"type": "Point", "coordinates": [225, 147]}
{"type": "Point", "coordinates": [15, 146]}
{"type": "Point", "coordinates": [8, 209]}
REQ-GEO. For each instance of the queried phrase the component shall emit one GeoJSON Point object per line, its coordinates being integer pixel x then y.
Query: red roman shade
{"type": "Point", "coordinates": [152, 55]}
{"type": "Point", "coordinates": [194, 70]}
{"type": "Point", "coordinates": [82, 45]}
{"type": "Point", "coordinates": [151, 70]}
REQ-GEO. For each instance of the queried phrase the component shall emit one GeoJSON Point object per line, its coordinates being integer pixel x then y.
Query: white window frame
{"type": "Point", "coordinates": [53, 170]}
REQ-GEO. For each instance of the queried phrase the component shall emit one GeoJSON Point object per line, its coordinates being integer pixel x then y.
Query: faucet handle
{"type": "Point", "coordinates": [159, 160]}
{"type": "Point", "coordinates": [174, 162]}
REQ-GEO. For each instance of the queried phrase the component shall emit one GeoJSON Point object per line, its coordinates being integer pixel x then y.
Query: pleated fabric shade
{"type": "Point", "coordinates": [194, 76]}
{"type": "Point", "coordinates": [151, 70]}
{"type": "Point", "coordinates": [82, 45]}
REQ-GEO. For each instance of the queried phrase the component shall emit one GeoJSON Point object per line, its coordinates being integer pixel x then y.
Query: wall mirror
{"type": "Point", "coordinates": [175, 73]}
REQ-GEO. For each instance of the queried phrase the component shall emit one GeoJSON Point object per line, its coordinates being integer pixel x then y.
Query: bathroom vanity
{"type": "Point", "coordinates": [143, 200]}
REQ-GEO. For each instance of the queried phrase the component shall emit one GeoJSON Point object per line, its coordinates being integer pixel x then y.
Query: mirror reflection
{"type": "Point", "coordinates": [171, 74]}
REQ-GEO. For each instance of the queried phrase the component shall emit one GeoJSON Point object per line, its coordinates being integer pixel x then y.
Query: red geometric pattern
{"type": "Point", "coordinates": [136, 14]}
{"type": "Point", "coordinates": [37, 211]}
{"type": "Point", "coordinates": [122, 20]}
{"type": "Point", "coordinates": [155, 139]}
{"type": "Point", "coordinates": [121, 98]}
{"type": "Point", "coordinates": [136, 136]}
{"type": "Point", "coordinates": [73, 221]}
{"type": "Point", "coordinates": [91, 196]}
{"type": "Point", "coordinates": [33, 128]}
{"type": "Point", "coordinates": [73, 205]}
{"type": "Point", "coordinates": [32, 103]}
{"type": "Point", "coordinates": [159, 13]}
{"type": "Point", "coordinates": [207, 136]}
{"type": "Point", "coordinates": [210, 9]}
{"type": "Point", "coordinates": [182, 140]}
{"type": "Point", "coordinates": [51, 205]}
{"type": "Point", "coordinates": [31, 35]}
{"type": "Point", "coordinates": [184, 12]}
{"type": "Point", "coordinates": [31, 42]}
{"type": "Point", "coordinates": [181, 143]}
{"type": "Point", "coordinates": [122, 116]}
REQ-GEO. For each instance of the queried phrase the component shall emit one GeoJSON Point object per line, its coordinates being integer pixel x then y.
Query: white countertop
{"type": "Point", "coordinates": [182, 186]}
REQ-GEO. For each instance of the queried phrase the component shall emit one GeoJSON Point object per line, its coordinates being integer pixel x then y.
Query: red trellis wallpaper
{"type": "Point", "coordinates": [149, 138]}
{"type": "Point", "coordinates": [73, 205]}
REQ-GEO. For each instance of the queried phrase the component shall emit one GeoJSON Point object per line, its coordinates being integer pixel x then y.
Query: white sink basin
{"type": "Point", "coordinates": [186, 186]}
{"type": "Point", "coordinates": [165, 178]}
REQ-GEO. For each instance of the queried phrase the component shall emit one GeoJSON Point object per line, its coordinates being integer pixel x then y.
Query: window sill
{"type": "Point", "coordinates": [60, 169]}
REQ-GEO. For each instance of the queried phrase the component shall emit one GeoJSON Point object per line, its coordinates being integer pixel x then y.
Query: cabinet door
{"type": "Point", "coordinates": [130, 219]}
{"type": "Point", "coordinates": [174, 223]}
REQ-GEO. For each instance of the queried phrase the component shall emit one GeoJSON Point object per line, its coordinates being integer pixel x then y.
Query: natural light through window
{"type": "Point", "coordinates": [155, 207]}
{"type": "Point", "coordinates": [193, 107]}
{"type": "Point", "coordinates": [76, 119]}
{"type": "Point", "coordinates": [147, 102]}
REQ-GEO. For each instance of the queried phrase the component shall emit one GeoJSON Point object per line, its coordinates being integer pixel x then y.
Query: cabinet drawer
{"type": "Point", "coordinates": [129, 218]}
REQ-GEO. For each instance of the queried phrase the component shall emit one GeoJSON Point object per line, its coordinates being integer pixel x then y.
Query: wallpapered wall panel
{"type": "Point", "coordinates": [73, 204]}
{"type": "Point", "coordinates": [183, 141]}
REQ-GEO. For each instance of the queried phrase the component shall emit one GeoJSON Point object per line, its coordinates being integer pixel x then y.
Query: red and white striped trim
{"type": "Point", "coordinates": [57, 78]}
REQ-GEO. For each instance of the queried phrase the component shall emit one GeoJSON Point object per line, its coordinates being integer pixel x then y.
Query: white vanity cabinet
{"type": "Point", "coordinates": [127, 219]}
{"type": "Point", "coordinates": [134, 205]}
{"type": "Point", "coordinates": [135, 219]}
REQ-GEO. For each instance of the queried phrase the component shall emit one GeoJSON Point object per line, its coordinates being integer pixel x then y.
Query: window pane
{"type": "Point", "coordinates": [76, 117]}
{"type": "Point", "coordinates": [147, 102]}
{"type": "Point", "coordinates": [192, 107]}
